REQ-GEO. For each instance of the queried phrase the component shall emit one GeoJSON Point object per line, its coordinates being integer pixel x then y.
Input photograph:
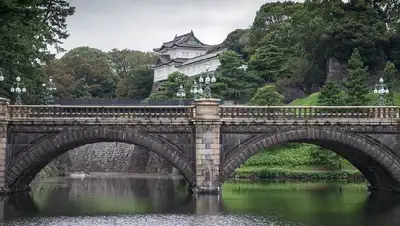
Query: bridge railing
{"type": "Point", "coordinates": [63, 111]}
{"type": "Point", "coordinates": [309, 112]}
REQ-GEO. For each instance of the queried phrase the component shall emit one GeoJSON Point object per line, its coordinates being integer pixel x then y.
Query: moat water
{"type": "Point", "coordinates": [121, 200]}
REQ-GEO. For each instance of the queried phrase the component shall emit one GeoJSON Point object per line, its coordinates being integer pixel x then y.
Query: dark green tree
{"type": "Point", "coordinates": [389, 74]}
{"type": "Point", "coordinates": [233, 81]}
{"type": "Point", "coordinates": [27, 30]}
{"type": "Point", "coordinates": [323, 156]}
{"type": "Point", "coordinates": [81, 89]}
{"type": "Point", "coordinates": [138, 85]}
{"type": "Point", "coordinates": [356, 85]}
{"type": "Point", "coordinates": [95, 66]}
{"type": "Point", "coordinates": [331, 95]}
{"type": "Point", "coordinates": [267, 62]}
{"type": "Point", "coordinates": [169, 88]}
{"type": "Point", "coordinates": [237, 41]}
{"type": "Point", "coordinates": [124, 62]}
{"type": "Point", "coordinates": [267, 96]}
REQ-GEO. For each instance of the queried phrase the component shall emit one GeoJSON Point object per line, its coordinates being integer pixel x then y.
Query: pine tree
{"type": "Point", "coordinates": [330, 95]}
{"type": "Point", "coordinates": [233, 81]}
{"type": "Point", "coordinates": [389, 74]}
{"type": "Point", "coordinates": [356, 84]}
{"type": "Point", "coordinates": [268, 61]}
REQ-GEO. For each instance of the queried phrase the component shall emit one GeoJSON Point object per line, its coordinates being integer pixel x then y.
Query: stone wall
{"type": "Point", "coordinates": [107, 157]}
{"type": "Point", "coordinates": [337, 70]}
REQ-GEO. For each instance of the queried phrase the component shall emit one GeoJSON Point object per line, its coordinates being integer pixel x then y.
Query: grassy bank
{"type": "Point", "coordinates": [295, 162]}
{"type": "Point", "coordinates": [301, 161]}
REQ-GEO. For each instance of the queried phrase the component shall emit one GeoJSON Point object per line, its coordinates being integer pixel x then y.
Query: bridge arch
{"type": "Point", "coordinates": [32, 160]}
{"type": "Point", "coordinates": [376, 162]}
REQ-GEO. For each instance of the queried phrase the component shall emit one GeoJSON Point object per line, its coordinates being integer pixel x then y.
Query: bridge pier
{"type": "Point", "coordinates": [207, 147]}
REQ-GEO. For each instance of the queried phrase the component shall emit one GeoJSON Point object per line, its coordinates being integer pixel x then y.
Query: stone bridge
{"type": "Point", "coordinates": [213, 140]}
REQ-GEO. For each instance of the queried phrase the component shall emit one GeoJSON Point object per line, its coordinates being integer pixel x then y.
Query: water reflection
{"type": "Point", "coordinates": [123, 201]}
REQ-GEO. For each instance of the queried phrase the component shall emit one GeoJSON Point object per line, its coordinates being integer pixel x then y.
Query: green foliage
{"type": "Point", "coordinates": [389, 74]}
{"type": "Point", "coordinates": [267, 96]}
{"type": "Point", "coordinates": [126, 61]}
{"type": "Point", "coordinates": [326, 157]}
{"type": "Point", "coordinates": [269, 17]}
{"type": "Point", "coordinates": [236, 41]}
{"type": "Point", "coordinates": [137, 85]}
{"type": "Point", "coordinates": [169, 88]}
{"type": "Point", "coordinates": [288, 156]}
{"type": "Point", "coordinates": [94, 66]}
{"type": "Point", "coordinates": [267, 62]}
{"type": "Point", "coordinates": [331, 95]}
{"type": "Point", "coordinates": [233, 82]}
{"type": "Point", "coordinates": [357, 89]}
{"type": "Point", "coordinates": [80, 89]}
{"type": "Point", "coordinates": [287, 173]}
{"type": "Point", "coordinates": [311, 100]}
{"type": "Point", "coordinates": [357, 25]}
{"type": "Point", "coordinates": [27, 30]}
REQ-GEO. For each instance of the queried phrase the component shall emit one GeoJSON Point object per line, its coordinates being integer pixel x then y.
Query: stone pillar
{"type": "Point", "coordinates": [3, 142]}
{"type": "Point", "coordinates": [207, 122]}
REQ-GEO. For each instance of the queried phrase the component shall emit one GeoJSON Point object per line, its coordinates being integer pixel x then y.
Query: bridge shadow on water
{"type": "Point", "coordinates": [323, 204]}
{"type": "Point", "coordinates": [106, 196]}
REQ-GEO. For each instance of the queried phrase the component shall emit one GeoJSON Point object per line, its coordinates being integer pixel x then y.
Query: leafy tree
{"type": "Point", "coordinates": [93, 65]}
{"type": "Point", "coordinates": [136, 86]}
{"type": "Point", "coordinates": [357, 88]}
{"type": "Point", "coordinates": [237, 41]}
{"type": "Point", "coordinates": [267, 96]}
{"type": "Point", "coordinates": [267, 62]}
{"type": "Point", "coordinates": [133, 77]}
{"type": "Point", "coordinates": [389, 74]}
{"type": "Point", "coordinates": [331, 95]}
{"type": "Point", "coordinates": [124, 62]}
{"type": "Point", "coordinates": [301, 72]}
{"type": "Point", "coordinates": [234, 82]}
{"type": "Point", "coordinates": [27, 30]}
{"type": "Point", "coordinates": [268, 18]}
{"type": "Point", "coordinates": [168, 89]}
{"type": "Point", "coordinates": [81, 89]}
{"type": "Point", "coordinates": [322, 156]}
{"type": "Point", "coordinates": [393, 49]}
{"type": "Point", "coordinates": [357, 25]}
{"type": "Point", "coordinates": [62, 77]}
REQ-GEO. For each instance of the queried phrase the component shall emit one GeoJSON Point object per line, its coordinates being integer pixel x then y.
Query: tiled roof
{"type": "Point", "coordinates": [186, 40]}
{"type": "Point", "coordinates": [165, 59]}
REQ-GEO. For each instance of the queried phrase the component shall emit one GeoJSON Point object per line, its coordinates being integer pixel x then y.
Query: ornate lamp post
{"type": "Point", "coordinates": [49, 88]}
{"type": "Point", "coordinates": [18, 90]}
{"type": "Point", "coordinates": [381, 89]}
{"type": "Point", "coordinates": [197, 88]}
{"type": "Point", "coordinates": [181, 94]}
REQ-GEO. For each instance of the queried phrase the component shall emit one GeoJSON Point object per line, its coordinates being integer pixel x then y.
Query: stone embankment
{"type": "Point", "coordinates": [107, 157]}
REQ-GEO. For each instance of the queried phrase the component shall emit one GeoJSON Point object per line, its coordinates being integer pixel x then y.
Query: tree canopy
{"type": "Point", "coordinates": [295, 46]}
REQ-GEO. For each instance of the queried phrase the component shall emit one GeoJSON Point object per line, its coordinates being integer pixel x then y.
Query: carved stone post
{"type": "Point", "coordinates": [207, 123]}
{"type": "Point", "coordinates": [3, 142]}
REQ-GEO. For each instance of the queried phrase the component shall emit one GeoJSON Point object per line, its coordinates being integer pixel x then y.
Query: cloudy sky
{"type": "Point", "coordinates": [145, 24]}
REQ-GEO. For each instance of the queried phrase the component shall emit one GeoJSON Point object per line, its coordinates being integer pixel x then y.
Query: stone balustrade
{"type": "Point", "coordinates": [309, 112]}
{"type": "Point", "coordinates": [18, 112]}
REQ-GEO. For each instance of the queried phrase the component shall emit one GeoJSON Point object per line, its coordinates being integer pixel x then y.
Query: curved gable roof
{"type": "Point", "coordinates": [185, 40]}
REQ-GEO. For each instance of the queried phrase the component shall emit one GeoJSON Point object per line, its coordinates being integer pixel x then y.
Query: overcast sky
{"type": "Point", "coordinates": [145, 24]}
